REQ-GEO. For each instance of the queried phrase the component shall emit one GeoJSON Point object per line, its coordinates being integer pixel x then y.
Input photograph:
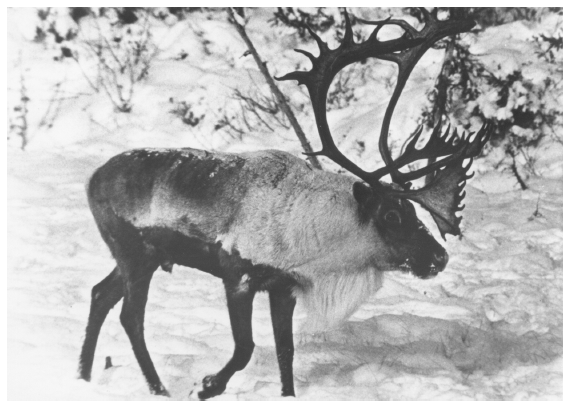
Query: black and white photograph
{"type": "Point", "coordinates": [285, 203]}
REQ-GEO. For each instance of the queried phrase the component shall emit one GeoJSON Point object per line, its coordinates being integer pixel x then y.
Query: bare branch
{"type": "Point", "coordinates": [274, 89]}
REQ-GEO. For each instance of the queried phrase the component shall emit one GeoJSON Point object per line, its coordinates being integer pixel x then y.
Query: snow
{"type": "Point", "coordinates": [487, 328]}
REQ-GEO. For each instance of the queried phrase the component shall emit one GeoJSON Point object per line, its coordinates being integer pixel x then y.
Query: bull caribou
{"type": "Point", "coordinates": [268, 221]}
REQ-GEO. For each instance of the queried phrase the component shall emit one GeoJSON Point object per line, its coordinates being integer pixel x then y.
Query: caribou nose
{"type": "Point", "coordinates": [440, 260]}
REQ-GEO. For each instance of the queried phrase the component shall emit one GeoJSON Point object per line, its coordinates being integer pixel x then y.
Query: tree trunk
{"type": "Point", "coordinates": [272, 85]}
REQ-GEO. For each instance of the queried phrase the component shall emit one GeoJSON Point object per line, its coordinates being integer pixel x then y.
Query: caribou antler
{"type": "Point", "coordinates": [442, 197]}
{"type": "Point", "coordinates": [329, 63]}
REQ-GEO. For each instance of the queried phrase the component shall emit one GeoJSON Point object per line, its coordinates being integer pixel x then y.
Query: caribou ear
{"type": "Point", "coordinates": [361, 192]}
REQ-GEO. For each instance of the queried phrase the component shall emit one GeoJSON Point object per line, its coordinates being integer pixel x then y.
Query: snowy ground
{"type": "Point", "coordinates": [488, 328]}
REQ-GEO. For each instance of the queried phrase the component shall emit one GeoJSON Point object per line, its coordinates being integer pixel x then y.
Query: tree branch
{"type": "Point", "coordinates": [282, 102]}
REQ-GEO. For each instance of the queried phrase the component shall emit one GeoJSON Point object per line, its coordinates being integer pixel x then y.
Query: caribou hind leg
{"type": "Point", "coordinates": [137, 261]}
{"type": "Point", "coordinates": [240, 302]}
{"type": "Point", "coordinates": [104, 297]}
{"type": "Point", "coordinates": [137, 277]}
{"type": "Point", "coordinates": [282, 305]}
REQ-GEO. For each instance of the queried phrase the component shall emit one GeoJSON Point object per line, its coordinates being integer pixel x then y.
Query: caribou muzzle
{"type": "Point", "coordinates": [426, 267]}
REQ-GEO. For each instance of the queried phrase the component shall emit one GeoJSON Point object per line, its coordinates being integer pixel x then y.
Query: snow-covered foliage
{"type": "Point", "coordinates": [522, 90]}
{"type": "Point", "coordinates": [489, 327]}
{"type": "Point", "coordinates": [515, 83]}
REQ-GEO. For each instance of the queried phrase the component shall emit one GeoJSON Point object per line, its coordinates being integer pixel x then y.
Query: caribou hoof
{"type": "Point", "coordinates": [159, 390]}
{"type": "Point", "coordinates": [211, 386]}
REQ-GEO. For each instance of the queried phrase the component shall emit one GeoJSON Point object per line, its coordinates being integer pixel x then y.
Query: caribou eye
{"type": "Point", "coordinates": [393, 217]}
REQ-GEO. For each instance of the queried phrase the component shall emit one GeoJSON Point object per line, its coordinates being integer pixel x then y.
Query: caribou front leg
{"type": "Point", "coordinates": [282, 305]}
{"type": "Point", "coordinates": [240, 302]}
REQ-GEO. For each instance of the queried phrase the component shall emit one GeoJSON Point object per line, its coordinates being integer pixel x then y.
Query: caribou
{"type": "Point", "coordinates": [268, 221]}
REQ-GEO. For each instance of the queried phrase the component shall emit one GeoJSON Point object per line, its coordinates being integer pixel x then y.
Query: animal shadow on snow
{"type": "Point", "coordinates": [407, 344]}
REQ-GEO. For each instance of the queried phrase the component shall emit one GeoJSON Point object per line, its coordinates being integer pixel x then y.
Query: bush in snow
{"type": "Point", "coordinates": [317, 19]}
{"type": "Point", "coordinates": [115, 55]}
{"type": "Point", "coordinates": [520, 93]}
{"type": "Point", "coordinates": [251, 110]}
{"type": "Point", "coordinates": [112, 46]}
{"type": "Point", "coordinates": [184, 110]}
{"type": "Point", "coordinates": [18, 115]}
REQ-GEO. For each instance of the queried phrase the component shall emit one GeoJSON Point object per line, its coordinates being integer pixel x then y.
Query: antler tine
{"type": "Point", "coordinates": [306, 54]}
{"type": "Point", "coordinates": [427, 15]}
{"type": "Point", "coordinates": [437, 147]}
{"type": "Point", "coordinates": [348, 34]}
{"type": "Point", "coordinates": [321, 44]}
{"type": "Point", "coordinates": [411, 154]}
